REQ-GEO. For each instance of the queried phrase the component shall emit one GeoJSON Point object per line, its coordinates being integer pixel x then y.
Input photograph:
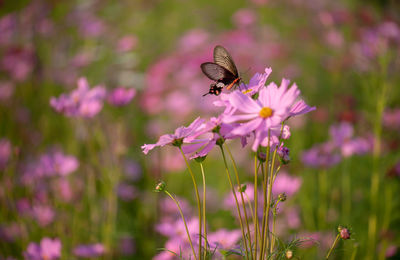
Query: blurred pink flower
{"type": "Point", "coordinates": [18, 62]}
{"type": "Point", "coordinates": [6, 90]}
{"type": "Point", "coordinates": [391, 119]}
{"type": "Point", "coordinates": [285, 183]}
{"type": "Point", "coordinates": [126, 245]}
{"type": "Point", "coordinates": [224, 239]}
{"type": "Point", "coordinates": [82, 102]}
{"type": "Point", "coordinates": [121, 96]}
{"type": "Point", "coordinates": [127, 43]}
{"type": "Point", "coordinates": [48, 249]}
{"type": "Point", "coordinates": [89, 250]}
{"type": "Point", "coordinates": [321, 156]}
{"type": "Point", "coordinates": [5, 152]}
{"type": "Point", "coordinates": [193, 39]}
{"type": "Point", "coordinates": [244, 18]}
{"type": "Point", "coordinates": [43, 214]}
{"type": "Point", "coordinates": [127, 192]}
{"type": "Point", "coordinates": [342, 136]}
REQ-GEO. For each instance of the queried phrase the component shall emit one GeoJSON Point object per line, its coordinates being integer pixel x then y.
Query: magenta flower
{"type": "Point", "coordinates": [82, 102]}
{"type": "Point", "coordinates": [48, 249]}
{"type": "Point", "coordinates": [121, 96]}
{"type": "Point", "coordinates": [44, 215]}
{"type": "Point", "coordinates": [127, 43]}
{"type": "Point", "coordinates": [181, 135]}
{"type": "Point", "coordinates": [90, 250]}
{"type": "Point", "coordinates": [342, 136]}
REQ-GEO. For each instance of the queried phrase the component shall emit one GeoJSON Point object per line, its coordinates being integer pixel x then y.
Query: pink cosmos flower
{"type": "Point", "coordinates": [89, 250]}
{"type": "Point", "coordinates": [182, 134]}
{"type": "Point", "coordinates": [44, 215]}
{"type": "Point", "coordinates": [82, 102]}
{"type": "Point", "coordinates": [121, 96]}
{"type": "Point", "coordinates": [342, 136]}
{"type": "Point", "coordinates": [48, 249]}
{"type": "Point", "coordinates": [273, 106]}
{"type": "Point", "coordinates": [256, 83]}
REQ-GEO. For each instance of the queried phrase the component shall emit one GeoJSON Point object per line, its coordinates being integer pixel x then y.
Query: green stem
{"type": "Point", "coordinates": [255, 219]}
{"type": "Point", "coordinates": [265, 173]}
{"type": "Point", "coordinates": [269, 196]}
{"type": "Point", "coordinates": [204, 211]}
{"type": "Point", "coordinates": [333, 246]}
{"type": "Point", "coordinates": [242, 198]}
{"type": "Point", "coordinates": [184, 222]}
{"type": "Point", "coordinates": [346, 192]}
{"type": "Point", "coordinates": [322, 183]}
{"type": "Point", "coordinates": [197, 198]}
{"type": "Point", "coordinates": [273, 225]}
{"type": "Point", "coordinates": [236, 201]}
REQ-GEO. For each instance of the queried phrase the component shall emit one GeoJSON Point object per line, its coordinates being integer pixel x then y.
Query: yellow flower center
{"type": "Point", "coordinates": [247, 91]}
{"type": "Point", "coordinates": [265, 112]}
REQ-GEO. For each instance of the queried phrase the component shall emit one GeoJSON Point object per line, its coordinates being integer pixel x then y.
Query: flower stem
{"type": "Point", "coordinates": [333, 246]}
{"type": "Point", "coordinates": [255, 218]}
{"type": "Point", "coordinates": [265, 174]}
{"type": "Point", "coordinates": [273, 225]}
{"type": "Point", "coordinates": [236, 201]}
{"type": "Point", "coordinates": [184, 222]}
{"type": "Point", "coordinates": [204, 211]}
{"type": "Point", "coordinates": [241, 196]}
{"type": "Point", "coordinates": [197, 198]}
{"type": "Point", "coordinates": [269, 195]}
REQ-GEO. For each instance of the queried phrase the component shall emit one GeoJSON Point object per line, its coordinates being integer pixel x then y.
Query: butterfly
{"type": "Point", "coordinates": [223, 70]}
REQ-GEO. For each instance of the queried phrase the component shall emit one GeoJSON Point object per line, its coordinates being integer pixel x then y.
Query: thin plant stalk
{"type": "Point", "coordinates": [265, 174]}
{"type": "Point", "coordinates": [269, 195]}
{"type": "Point", "coordinates": [333, 246]}
{"type": "Point", "coordinates": [273, 225]}
{"type": "Point", "coordinates": [184, 222]}
{"type": "Point", "coordinates": [204, 211]}
{"type": "Point", "coordinates": [197, 198]}
{"type": "Point", "coordinates": [255, 219]}
{"type": "Point", "coordinates": [323, 188]}
{"type": "Point", "coordinates": [236, 201]}
{"type": "Point", "coordinates": [258, 233]}
{"type": "Point", "coordinates": [242, 198]}
{"type": "Point", "coordinates": [346, 192]}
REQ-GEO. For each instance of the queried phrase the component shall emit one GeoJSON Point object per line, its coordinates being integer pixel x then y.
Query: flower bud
{"type": "Point", "coordinates": [200, 159]}
{"type": "Point", "coordinates": [160, 186]}
{"type": "Point", "coordinates": [282, 197]}
{"type": "Point", "coordinates": [289, 254]}
{"type": "Point", "coordinates": [283, 153]}
{"type": "Point", "coordinates": [220, 141]}
{"type": "Point", "coordinates": [242, 188]}
{"type": "Point", "coordinates": [261, 156]}
{"type": "Point", "coordinates": [177, 142]}
{"type": "Point", "coordinates": [216, 129]}
{"type": "Point", "coordinates": [344, 232]}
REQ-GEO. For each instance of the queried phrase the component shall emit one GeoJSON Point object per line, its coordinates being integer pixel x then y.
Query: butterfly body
{"type": "Point", "coordinates": [223, 71]}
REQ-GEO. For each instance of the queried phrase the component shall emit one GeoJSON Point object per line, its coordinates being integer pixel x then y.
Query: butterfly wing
{"type": "Point", "coordinates": [224, 59]}
{"type": "Point", "coordinates": [216, 72]}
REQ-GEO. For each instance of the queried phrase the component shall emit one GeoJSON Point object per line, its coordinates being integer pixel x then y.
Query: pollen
{"type": "Point", "coordinates": [247, 91]}
{"type": "Point", "coordinates": [265, 112]}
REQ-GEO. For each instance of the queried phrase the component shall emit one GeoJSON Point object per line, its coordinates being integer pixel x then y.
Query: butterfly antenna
{"type": "Point", "coordinates": [206, 94]}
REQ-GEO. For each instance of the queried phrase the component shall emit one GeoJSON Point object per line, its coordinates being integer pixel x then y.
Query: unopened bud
{"type": "Point", "coordinates": [200, 159]}
{"type": "Point", "coordinates": [344, 232]}
{"type": "Point", "coordinates": [220, 141]}
{"type": "Point", "coordinates": [177, 142]}
{"type": "Point", "coordinates": [282, 197]}
{"type": "Point", "coordinates": [283, 153]}
{"type": "Point", "coordinates": [261, 156]}
{"type": "Point", "coordinates": [242, 188]}
{"type": "Point", "coordinates": [160, 186]}
{"type": "Point", "coordinates": [289, 254]}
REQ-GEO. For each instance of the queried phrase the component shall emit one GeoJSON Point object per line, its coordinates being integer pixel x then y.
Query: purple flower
{"type": "Point", "coordinates": [182, 134]}
{"type": "Point", "coordinates": [121, 96]}
{"type": "Point", "coordinates": [127, 192]}
{"type": "Point", "coordinates": [6, 90]}
{"type": "Point", "coordinates": [82, 102]}
{"type": "Point", "coordinates": [48, 249]}
{"type": "Point", "coordinates": [391, 119]}
{"type": "Point", "coordinates": [321, 156]}
{"type": "Point", "coordinates": [127, 43]}
{"type": "Point", "coordinates": [342, 136]}
{"type": "Point", "coordinates": [89, 250]}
